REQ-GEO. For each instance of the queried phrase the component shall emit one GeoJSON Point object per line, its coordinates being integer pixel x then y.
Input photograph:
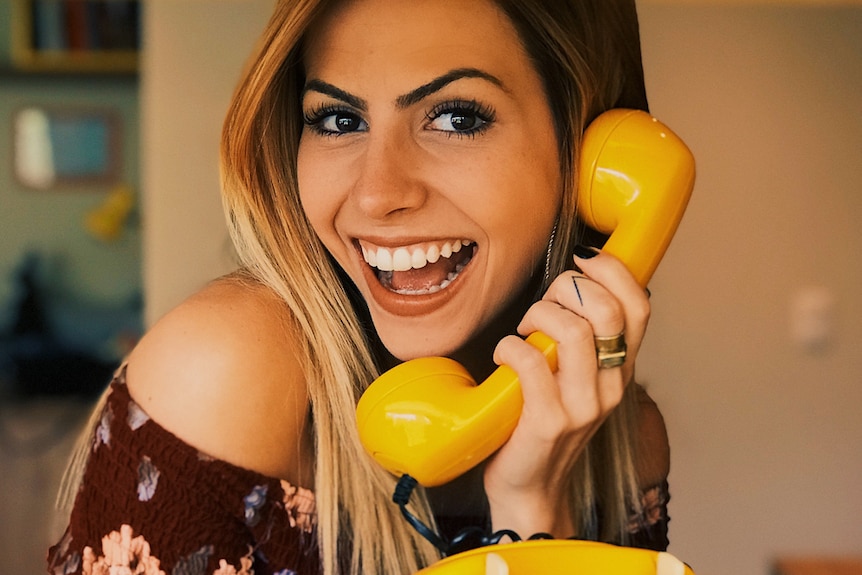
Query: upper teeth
{"type": "Point", "coordinates": [409, 257]}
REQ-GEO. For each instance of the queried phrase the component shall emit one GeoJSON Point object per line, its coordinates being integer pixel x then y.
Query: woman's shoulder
{"type": "Point", "coordinates": [221, 372]}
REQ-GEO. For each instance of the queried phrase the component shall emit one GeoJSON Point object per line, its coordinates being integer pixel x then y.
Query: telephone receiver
{"type": "Point", "coordinates": [427, 417]}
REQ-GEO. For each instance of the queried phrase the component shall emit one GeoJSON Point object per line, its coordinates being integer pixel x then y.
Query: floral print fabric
{"type": "Point", "coordinates": [649, 527]}
{"type": "Point", "coordinates": [151, 504]}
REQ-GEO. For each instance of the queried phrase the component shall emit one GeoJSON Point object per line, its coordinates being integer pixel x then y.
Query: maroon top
{"type": "Point", "coordinates": [155, 504]}
{"type": "Point", "coordinates": [149, 499]}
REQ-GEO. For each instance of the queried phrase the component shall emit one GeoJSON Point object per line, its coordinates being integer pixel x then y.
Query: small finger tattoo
{"type": "Point", "coordinates": [577, 290]}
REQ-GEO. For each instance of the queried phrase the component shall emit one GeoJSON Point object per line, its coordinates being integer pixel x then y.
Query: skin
{"type": "Point", "coordinates": [219, 370]}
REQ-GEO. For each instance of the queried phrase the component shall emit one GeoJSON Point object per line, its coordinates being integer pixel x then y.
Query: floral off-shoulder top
{"type": "Point", "coordinates": [150, 504]}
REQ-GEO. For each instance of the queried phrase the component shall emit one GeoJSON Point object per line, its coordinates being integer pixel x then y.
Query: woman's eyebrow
{"type": "Point", "coordinates": [334, 92]}
{"type": "Point", "coordinates": [440, 82]}
{"type": "Point", "coordinates": [405, 100]}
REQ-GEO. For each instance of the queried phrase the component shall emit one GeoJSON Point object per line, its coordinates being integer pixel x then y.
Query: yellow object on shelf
{"type": "Point", "coordinates": [106, 222]}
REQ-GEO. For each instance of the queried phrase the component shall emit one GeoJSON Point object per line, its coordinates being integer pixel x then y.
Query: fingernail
{"type": "Point", "coordinates": [585, 252]}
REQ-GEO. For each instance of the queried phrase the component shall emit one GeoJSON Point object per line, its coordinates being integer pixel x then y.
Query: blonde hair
{"type": "Point", "coordinates": [588, 54]}
{"type": "Point", "coordinates": [356, 518]}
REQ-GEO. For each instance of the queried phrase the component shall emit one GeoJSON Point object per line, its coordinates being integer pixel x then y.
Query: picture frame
{"type": "Point", "coordinates": [63, 147]}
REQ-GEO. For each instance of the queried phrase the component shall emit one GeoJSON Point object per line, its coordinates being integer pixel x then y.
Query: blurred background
{"type": "Point", "coordinates": [751, 352]}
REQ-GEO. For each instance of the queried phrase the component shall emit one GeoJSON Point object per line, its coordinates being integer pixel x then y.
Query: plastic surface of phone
{"type": "Point", "coordinates": [558, 557]}
{"type": "Point", "coordinates": [427, 417]}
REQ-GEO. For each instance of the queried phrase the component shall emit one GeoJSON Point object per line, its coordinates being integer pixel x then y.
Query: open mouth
{"type": "Point", "coordinates": [418, 269]}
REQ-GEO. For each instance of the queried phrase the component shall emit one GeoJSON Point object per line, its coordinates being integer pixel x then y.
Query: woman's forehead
{"type": "Point", "coordinates": [392, 40]}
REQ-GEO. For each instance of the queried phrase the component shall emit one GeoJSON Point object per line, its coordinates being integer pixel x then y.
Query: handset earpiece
{"type": "Point", "coordinates": [636, 177]}
{"type": "Point", "coordinates": [427, 417]}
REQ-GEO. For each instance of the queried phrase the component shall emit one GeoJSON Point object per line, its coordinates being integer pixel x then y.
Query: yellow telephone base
{"type": "Point", "coordinates": [558, 557]}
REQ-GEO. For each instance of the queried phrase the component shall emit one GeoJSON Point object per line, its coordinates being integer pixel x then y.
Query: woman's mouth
{"type": "Point", "coordinates": [418, 269]}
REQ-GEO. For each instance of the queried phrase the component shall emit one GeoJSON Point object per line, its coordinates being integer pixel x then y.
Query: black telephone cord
{"type": "Point", "coordinates": [466, 539]}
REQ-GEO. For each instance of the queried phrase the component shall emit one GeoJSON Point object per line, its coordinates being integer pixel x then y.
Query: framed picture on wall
{"type": "Point", "coordinates": [66, 147]}
{"type": "Point", "coordinates": [76, 35]}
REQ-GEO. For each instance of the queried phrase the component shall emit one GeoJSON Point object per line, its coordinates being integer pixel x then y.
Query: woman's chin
{"type": "Point", "coordinates": [419, 343]}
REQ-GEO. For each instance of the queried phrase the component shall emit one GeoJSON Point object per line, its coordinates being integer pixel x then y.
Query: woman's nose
{"type": "Point", "coordinates": [388, 182]}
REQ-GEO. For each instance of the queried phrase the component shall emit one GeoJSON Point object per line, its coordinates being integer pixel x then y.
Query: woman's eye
{"type": "Point", "coordinates": [342, 122]}
{"type": "Point", "coordinates": [335, 122]}
{"type": "Point", "coordinates": [460, 119]}
{"type": "Point", "coordinates": [456, 122]}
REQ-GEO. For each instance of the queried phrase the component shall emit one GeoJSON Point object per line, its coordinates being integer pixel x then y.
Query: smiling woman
{"type": "Point", "coordinates": [399, 178]}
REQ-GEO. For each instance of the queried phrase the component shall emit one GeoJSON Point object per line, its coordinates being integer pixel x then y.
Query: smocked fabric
{"type": "Point", "coordinates": [152, 504]}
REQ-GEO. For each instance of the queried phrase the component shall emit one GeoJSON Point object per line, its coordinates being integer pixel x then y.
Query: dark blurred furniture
{"type": "Point", "coordinates": [38, 359]}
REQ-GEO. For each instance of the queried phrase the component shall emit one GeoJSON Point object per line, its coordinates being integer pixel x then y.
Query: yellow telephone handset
{"type": "Point", "coordinates": [427, 417]}
{"type": "Point", "coordinates": [636, 177]}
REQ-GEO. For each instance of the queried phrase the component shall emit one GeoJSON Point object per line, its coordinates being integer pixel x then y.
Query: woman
{"type": "Point", "coordinates": [398, 178]}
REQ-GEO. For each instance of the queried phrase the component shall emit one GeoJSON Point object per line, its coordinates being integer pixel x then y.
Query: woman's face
{"type": "Point", "coordinates": [428, 164]}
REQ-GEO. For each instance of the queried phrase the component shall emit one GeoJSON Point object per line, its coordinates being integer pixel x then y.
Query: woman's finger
{"type": "Point", "coordinates": [587, 298]}
{"type": "Point", "coordinates": [611, 273]}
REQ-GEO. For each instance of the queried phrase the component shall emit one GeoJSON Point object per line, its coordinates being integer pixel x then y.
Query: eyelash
{"type": "Point", "coordinates": [315, 117]}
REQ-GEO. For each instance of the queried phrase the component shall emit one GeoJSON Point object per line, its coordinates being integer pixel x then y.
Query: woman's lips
{"type": "Point", "coordinates": [416, 279]}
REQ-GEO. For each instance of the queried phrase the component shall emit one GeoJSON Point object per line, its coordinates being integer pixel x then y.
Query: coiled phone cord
{"type": "Point", "coordinates": [466, 539]}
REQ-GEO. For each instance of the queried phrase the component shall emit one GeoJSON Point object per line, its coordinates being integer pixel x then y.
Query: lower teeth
{"type": "Point", "coordinates": [386, 279]}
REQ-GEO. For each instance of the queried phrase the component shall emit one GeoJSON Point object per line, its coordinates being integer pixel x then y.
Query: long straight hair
{"type": "Point", "coordinates": [359, 529]}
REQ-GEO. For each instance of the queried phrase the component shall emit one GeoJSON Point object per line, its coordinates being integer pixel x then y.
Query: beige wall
{"type": "Point", "coordinates": [193, 54]}
{"type": "Point", "coordinates": [767, 443]}
{"type": "Point", "coordinates": [766, 436]}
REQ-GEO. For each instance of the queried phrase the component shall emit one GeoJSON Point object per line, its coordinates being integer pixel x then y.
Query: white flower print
{"type": "Point", "coordinates": [136, 417]}
{"type": "Point", "coordinates": [148, 479]}
{"type": "Point", "coordinates": [103, 431]}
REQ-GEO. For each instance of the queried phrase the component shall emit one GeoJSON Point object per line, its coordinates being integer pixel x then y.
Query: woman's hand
{"type": "Point", "coordinates": [526, 480]}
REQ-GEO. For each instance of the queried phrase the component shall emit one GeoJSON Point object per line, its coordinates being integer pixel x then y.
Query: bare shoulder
{"type": "Point", "coordinates": [653, 461]}
{"type": "Point", "coordinates": [221, 372]}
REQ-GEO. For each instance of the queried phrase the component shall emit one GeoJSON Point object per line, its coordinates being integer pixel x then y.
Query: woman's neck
{"type": "Point", "coordinates": [477, 354]}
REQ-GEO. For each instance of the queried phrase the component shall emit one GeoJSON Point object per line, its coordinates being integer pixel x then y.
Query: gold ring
{"type": "Point", "coordinates": [611, 351]}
